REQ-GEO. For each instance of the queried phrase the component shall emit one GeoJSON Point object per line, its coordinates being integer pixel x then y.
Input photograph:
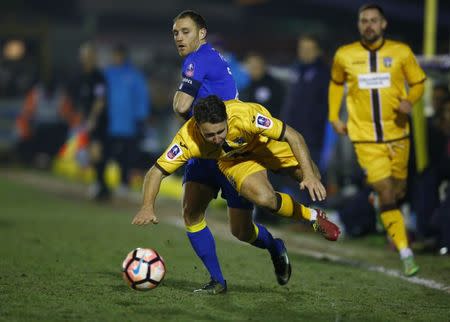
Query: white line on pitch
{"type": "Point", "coordinates": [332, 258]}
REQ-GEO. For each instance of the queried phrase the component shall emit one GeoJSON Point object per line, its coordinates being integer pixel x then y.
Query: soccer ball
{"type": "Point", "coordinates": [143, 269]}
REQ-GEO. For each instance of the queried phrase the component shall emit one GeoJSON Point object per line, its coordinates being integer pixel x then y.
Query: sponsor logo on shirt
{"type": "Point", "coordinates": [190, 70]}
{"type": "Point", "coordinates": [374, 80]}
{"type": "Point", "coordinates": [174, 152]}
{"type": "Point", "coordinates": [358, 62]}
{"type": "Point", "coordinates": [187, 80]}
{"type": "Point", "coordinates": [263, 122]}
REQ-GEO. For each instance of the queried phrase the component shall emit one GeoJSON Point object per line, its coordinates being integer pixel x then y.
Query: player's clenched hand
{"type": "Point", "coordinates": [144, 217]}
{"type": "Point", "coordinates": [402, 111]}
{"type": "Point", "coordinates": [315, 188]}
{"type": "Point", "coordinates": [339, 127]}
{"type": "Point", "coordinates": [404, 107]}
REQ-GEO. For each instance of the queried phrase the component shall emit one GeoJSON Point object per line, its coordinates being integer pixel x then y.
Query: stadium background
{"type": "Point", "coordinates": [41, 39]}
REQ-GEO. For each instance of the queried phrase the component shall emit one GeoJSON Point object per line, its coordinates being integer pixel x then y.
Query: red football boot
{"type": "Point", "coordinates": [328, 229]}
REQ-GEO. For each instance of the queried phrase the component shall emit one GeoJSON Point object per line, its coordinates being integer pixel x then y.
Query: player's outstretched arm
{"type": "Point", "coordinates": [311, 180]}
{"type": "Point", "coordinates": [152, 183]}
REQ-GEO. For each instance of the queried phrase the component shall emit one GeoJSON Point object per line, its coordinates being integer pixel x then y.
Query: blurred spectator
{"type": "Point", "coordinates": [90, 97]}
{"type": "Point", "coordinates": [266, 90]}
{"type": "Point", "coordinates": [423, 192]}
{"type": "Point", "coordinates": [43, 123]}
{"type": "Point", "coordinates": [263, 88]}
{"type": "Point", "coordinates": [128, 110]}
{"type": "Point", "coordinates": [240, 74]}
{"type": "Point", "coordinates": [305, 107]}
{"type": "Point", "coordinates": [441, 216]}
{"type": "Point", "coordinates": [439, 96]}
{"type": "Point", "coordinates": [357, 215]}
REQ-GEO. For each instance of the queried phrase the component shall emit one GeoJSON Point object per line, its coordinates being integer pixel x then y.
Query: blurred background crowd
{"type": "Point", "coordinates": [280, 54]}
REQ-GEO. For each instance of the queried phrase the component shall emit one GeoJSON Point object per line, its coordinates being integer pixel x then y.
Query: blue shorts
{"type": "Point", "coordinates": [207, 172]}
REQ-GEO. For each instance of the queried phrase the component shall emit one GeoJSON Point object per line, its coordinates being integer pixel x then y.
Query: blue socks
{"type": "Point", "coordinates": [265, 240]}
{"type": "Point", "coordinates": [203, 243]}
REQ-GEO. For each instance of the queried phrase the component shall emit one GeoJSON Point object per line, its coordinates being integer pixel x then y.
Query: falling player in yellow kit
{"type": "Point", "coordinates": [375, 71]}
{"type": "Point", "coordinates": [247, 141]}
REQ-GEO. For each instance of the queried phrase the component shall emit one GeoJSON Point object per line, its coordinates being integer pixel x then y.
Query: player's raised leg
{"type": "Point", "coordinates": [257, 188]}
{"type": "Point", "coordinates": [244, 229]}
{"type": "Point", "coordinates": [196, 197]}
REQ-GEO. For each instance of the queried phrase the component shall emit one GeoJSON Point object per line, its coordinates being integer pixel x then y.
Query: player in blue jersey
{"type": "Point", "coordinates": [204, 73]}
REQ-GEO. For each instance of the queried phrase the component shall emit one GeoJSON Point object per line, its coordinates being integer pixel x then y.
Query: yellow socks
{"type": "Point", "coordinates": [395, 226]}
{"type": "Point", "coordinates": [288, 207]}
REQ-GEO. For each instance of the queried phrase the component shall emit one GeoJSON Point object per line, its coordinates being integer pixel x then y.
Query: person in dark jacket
{"type": "Point", "coordinates": [305, 107]}
{"type": "Point", "coordinates": [90, 96]}
{"type": "Point", "coordinates": [263, 87]}
{"type": "Point", "coordinates": [440, 221]}
{"type": "Point", "coordinates": [265, 90]}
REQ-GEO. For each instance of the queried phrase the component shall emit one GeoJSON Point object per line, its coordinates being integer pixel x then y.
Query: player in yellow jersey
{"type": "Point", "coordinates": [247, 141]}
{"type": "Point", "coordinates": [375, 71]}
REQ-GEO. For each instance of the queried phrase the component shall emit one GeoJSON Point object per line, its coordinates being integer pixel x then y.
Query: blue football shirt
{"type": "Point", "coordinates": [205, 72]}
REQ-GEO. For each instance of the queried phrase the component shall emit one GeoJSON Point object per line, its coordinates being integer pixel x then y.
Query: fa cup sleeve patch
{"type": "Point", "coordinates": [263, 122]}
{"type": "Point", "coordinates": [190, 70]}
{"type": "Point", "coordinates": [174, 152]}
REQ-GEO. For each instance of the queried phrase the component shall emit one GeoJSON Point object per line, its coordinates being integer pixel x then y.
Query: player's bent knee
{"type": "Point", "coordinates": [386, 193]}
{"type": "Point", "coordinates": [191, 217]}
{"type": "Point", "coordinates": [266, 199]}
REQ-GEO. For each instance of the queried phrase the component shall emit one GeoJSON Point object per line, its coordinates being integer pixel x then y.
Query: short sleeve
{"type": "Point", "coordinates": [193, 75]}
{"type": "Point", "coordinates": [263, 123]}
{"type": "Point", "coordinates": [175, 156]}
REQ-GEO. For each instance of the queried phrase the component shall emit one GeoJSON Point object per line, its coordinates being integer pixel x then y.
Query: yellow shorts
{"type": "Point", "coordinates": [274, 156]}
{"type": "Point", "coordinates": [383, 160]}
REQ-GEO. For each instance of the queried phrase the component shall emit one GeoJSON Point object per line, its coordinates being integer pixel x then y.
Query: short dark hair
{"type": "Point", "coordinates": [368, 6]}
{"type": "Point", "coordinates": [311, 37]}
{"type": "Point", "coordinates": [210, 109]}
{"type": "Point", "coordinates": [197, 18]}
{"type": "Point", "coordinates": [121, 49]}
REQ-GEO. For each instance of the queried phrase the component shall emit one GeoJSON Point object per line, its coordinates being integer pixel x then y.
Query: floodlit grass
{"type": "Point", "coordinates": [61, 260]}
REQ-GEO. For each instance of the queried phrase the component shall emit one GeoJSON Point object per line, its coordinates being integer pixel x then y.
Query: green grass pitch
{"type": "Point", "coordinates": [60, 260]}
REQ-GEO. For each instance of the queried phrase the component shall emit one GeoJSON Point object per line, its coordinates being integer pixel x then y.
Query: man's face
{"type": "Point", "coordinates": [187, 36]}
{"type": "Point", "coordinates": [87, 57]}
{"type": "Point", "coordinates": [256, 67]}
{"type": "Point", "coordinates": [371, 25]}
{"type": "Point", "coordinates": [214, 133]}
{"type": "Point", "coordinates": [307, 50]}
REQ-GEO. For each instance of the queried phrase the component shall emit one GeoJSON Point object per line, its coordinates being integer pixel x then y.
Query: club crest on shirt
{"type": "Point", "coordinates": [263, 122]}
{"type": "Point", "coordinates": [174, 152]}
{"type": "Point", "coordinates": [387, 61]}
{"type": "Point", "coordinates": [190, 70]}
